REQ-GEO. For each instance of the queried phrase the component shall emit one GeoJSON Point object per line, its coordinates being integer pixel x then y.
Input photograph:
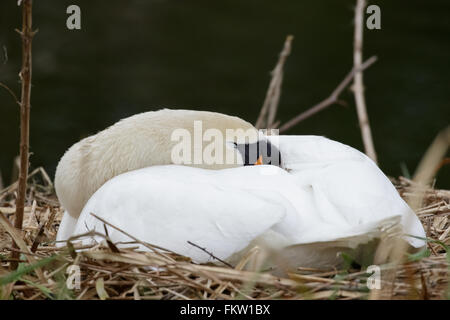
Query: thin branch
{"type": "Point", "coordinates": [152, 247]}
{"type": "Point", "coordinates": [210, 254]}
{"type": "Point", "coordinates": [434, 158]}
{"type": "Point", "coordinates": [110, 244]}
{"type": "Point", "coordinates": [25, 76]}
{"type": "Point", "coordinates": [4, 86]}
{"type": "Point", "coordinates": [38, 239]}
{"type": "Point", "coordinates": [332, 99]}
{"type": "Point", "coordinates": [269, 109]}
{"type": "Point", "coordinates": [358, 86]}
{"type": "Point", "coordinates": [5, 55]}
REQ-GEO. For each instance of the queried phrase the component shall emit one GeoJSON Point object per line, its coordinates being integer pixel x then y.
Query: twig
{"type": "Point", "coordinates": [25, 75]}
{"type": "Point", "coordinates": [210, 254]}
{"type": "Point", "coordinates": [145, 244]}
{"type": "Point", "coordinates": [110, 244]}
{"type": "Point", "coordinates": [434, 158]}
{"type": "Point", "coordinates": [5, 55]}
{"type": "Point", "coordinates": [11, 92]}
{"type": "Point", "coordinates": [38, 238]}
{"type": "Point", "coordinates": [272, 99]}
{"type": "Point", "coordinates": [333, 98]}
{"type": "Point", "coordinates": [358, 86]}
{"type": "Point", "coordinates": [425, 295]}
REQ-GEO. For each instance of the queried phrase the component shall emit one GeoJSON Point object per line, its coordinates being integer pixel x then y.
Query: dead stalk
{"type": "Point", "coordinates": [269, 109]}
{"type": "Point", "coordinates": [422, 181]}
{"type": "Point", "coordinates": [358, 85]}
{"type": "Point", "coordinates": [25, 76]}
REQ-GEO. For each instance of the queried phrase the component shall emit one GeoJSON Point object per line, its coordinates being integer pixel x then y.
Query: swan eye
{"type": "Point", "coordinates": [231, 145]}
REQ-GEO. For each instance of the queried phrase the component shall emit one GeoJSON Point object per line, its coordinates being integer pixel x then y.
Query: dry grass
{"type": "Point", "coordinates": [129, 274]}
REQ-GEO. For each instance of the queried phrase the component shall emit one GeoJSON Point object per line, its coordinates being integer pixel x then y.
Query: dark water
{"type": "Point", "coordinates": [134, 56]}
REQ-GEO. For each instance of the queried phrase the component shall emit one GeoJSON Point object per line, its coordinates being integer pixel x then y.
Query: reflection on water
{"type": "Point", "coordinates": [134, 56]}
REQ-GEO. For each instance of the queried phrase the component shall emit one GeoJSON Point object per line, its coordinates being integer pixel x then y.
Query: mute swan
{"type": "Point", "coordinates": [331, 198]}
{"type": "Point", "coordinates": [136, 142]}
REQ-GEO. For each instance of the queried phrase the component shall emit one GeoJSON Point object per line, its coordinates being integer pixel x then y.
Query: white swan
{"type": "Point", "coordinates": [331, 198]}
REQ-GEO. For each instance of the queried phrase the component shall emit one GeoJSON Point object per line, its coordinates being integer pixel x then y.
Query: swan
{"type": "Point", "coordinates": [327, 198]}
{"type": "Point", "coordinates": [139, 141]}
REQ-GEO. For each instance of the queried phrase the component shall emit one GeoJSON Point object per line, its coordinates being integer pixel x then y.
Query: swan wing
{"type": "Point", "coordinates": [349, 193]}
{"type": "Point", "coordinates": [171, 205]}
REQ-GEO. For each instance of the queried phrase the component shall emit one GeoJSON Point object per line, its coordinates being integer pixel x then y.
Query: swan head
{"type": "Point", "coordinates": [259, 153]}
{"type": "Point", "coordinates": [220, 144]}
{"type": "Point", "coordinates": [251, 147]}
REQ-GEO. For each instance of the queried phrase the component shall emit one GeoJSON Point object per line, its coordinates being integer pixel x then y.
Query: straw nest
{"type": "Point", "coordinates": [109, 273]}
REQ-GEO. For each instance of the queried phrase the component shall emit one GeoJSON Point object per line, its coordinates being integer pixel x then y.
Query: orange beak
{"type": "Point", "coordinates": [259, 161]}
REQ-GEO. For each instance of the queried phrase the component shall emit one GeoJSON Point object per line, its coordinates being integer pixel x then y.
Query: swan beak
{"type": "Point", "coordinates": [259, 161]}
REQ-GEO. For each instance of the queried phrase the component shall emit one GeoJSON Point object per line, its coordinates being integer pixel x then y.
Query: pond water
{"type": "Point", "coordinates": [138, 55]}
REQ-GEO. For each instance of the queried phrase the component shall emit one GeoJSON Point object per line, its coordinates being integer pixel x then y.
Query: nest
{"type": "Point", "coordinates": [105, 272]}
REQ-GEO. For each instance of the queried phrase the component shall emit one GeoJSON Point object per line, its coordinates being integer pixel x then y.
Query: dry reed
{"type": "Point", "coordinates": [130, 274]}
